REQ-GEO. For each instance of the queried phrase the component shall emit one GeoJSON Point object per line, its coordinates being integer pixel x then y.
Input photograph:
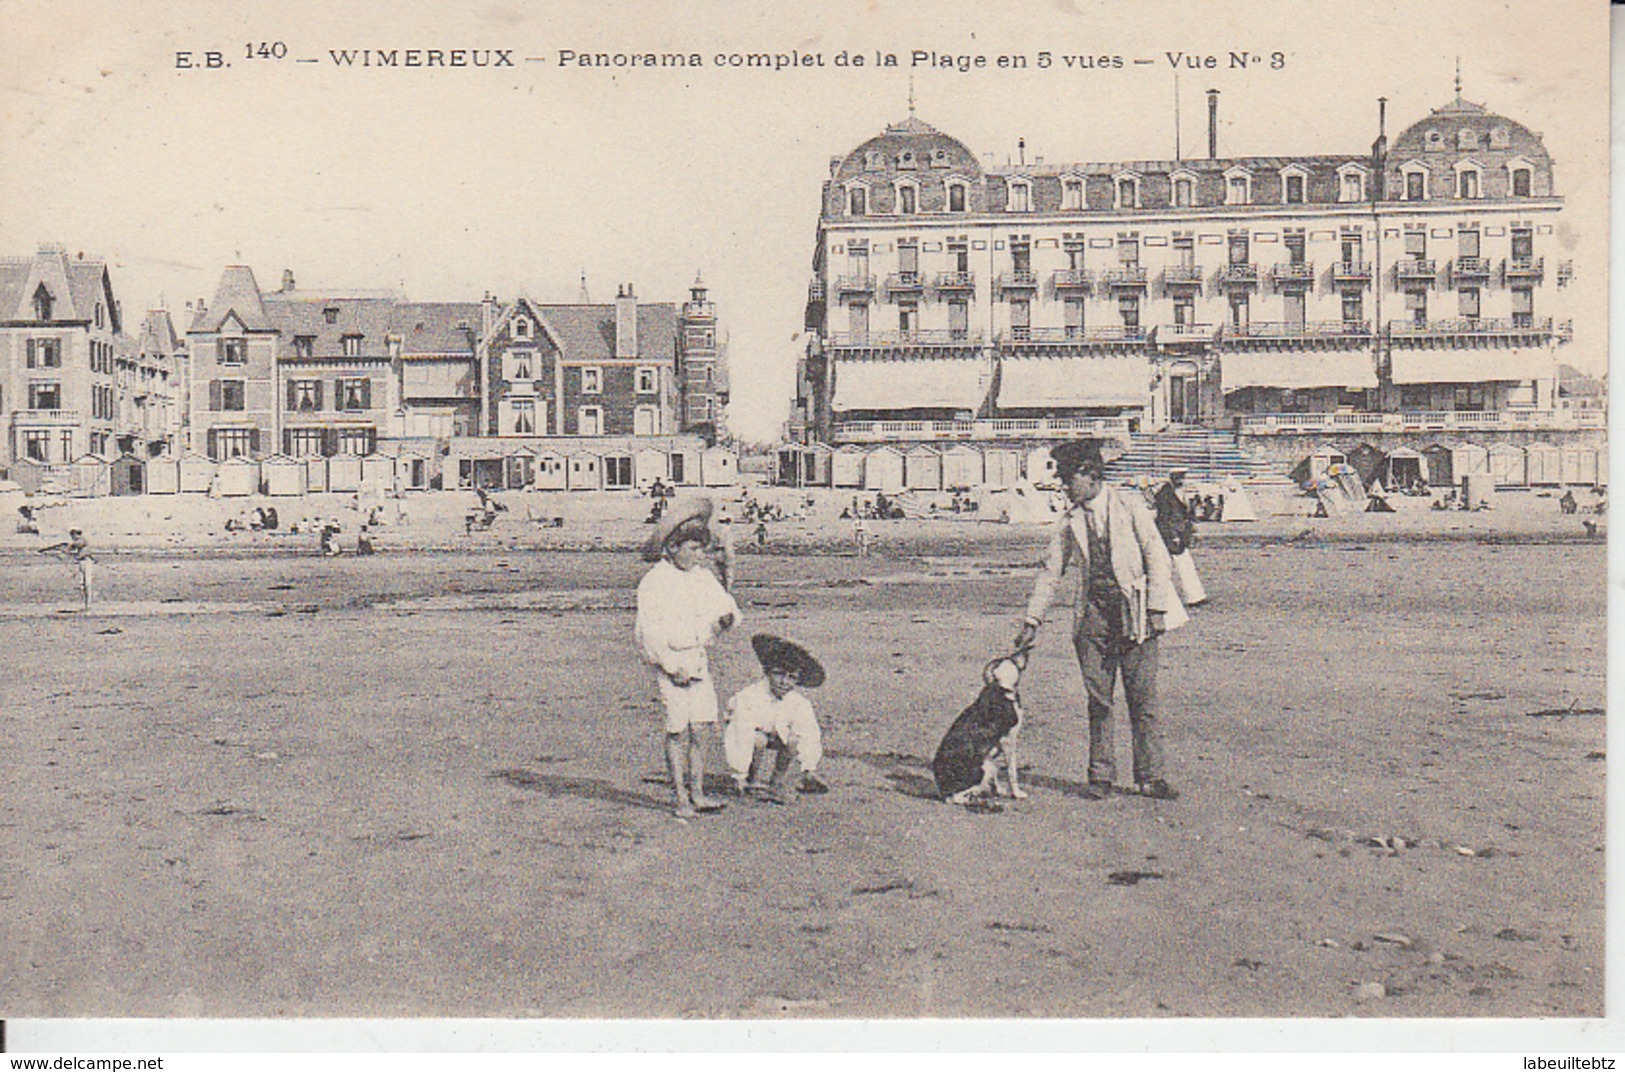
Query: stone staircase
{"type": "Point", "coordinates": [1205, 454]}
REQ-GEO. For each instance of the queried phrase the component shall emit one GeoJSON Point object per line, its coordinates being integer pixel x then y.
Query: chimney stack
{"type": "Point", "coordinates": [626, 322]}
{"type": "Point", "coordinates": [1212, 124]}
{"type": "Point", "coordinates": [1021, 150]}
{"type": "Point", "coordinates": [287, 280]}
{"type": "Point", "coordinates": [488, 314]}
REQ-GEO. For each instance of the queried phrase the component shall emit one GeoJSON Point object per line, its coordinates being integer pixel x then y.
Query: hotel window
{"type": "Point", "coordinates": [1416, 303]}
{"type": "Point", "coordinates": [352, 345]}
{"type": "Point", "coordinates": [1416, 186]}
{"type": "Point", "coordinates": [1240, 310]}
{"type": "Point", "coordinates": [233, 396]}
{"type": "Point", "coordinates": [1468, 297]}
{"type": "Point", "coordinates": [1185, 251]}
{"type": "Point", "coordinates": [1469, 396]}
{"type": "Point", "coordinates": [1416, 396]}
{"type": "Point", "coordinates": [37, 446]}
{"type": "Point", "coordinates": [1467, 242]}
{"type": "Point", "coordinates": [1021, 197]}
{"type": "Point", "coordinates": [1353, 186]}
{"type": "Point", "coordinates": [908, 261]}
{"type": "Point", "coordinates": [353, 395]}
{"type": "Point", "coordinates": [1184, 193]}
{"type": "Point", "coordinates": [857, 320]}
{"type": "Point", "coordinates": [592, 380]}
{"type": "Point", "coordinates": [233, 351]}
{"type": "Point", "coordinates": [1520, 182]}
{"type": "Point", "coordinates": [1467, 184]}
{"type": "Point", "coordinates": [305, 396]}
{"type": "Point", "coordinates": [1523, 244]}
{"type": "Point", "coordinates": [304, 346]}
{"type": "Point", "coordinates": [1292, 189]}
{"type": "Point", "coordinates": [524, 416]}
{"type": "Point", "coordinates": [302, 442]}
{"type": "Point", "coordinates": [1416, 243]}
{"type": "Point", "coordinates": [1351, 244]}
{"type": "Point", "coordinates": [857, 260]}
{"type": "Point", "coordinates": [1128, 193]}
{"type": "Point", "coordinates": [1021, 254]}
{"type": "Point", "coordinates": [358, 441]}
{"type": "Point", "coordinates": [590, 421]}
{"type": "Point", "coordinates": [648, 380]}
{"type": "Point", "coordinates": [64, 444]}
{"type": "Point", "coordinates": [1293, 307]}
{"type": "Point", "coordinates": [1073, 313]}
{"type": "Point", "coordinates": [1074, 245]}
{"type": "Point", "coordinates": [1523, 307]}
{"type": "Point", "coordinates": [233, 443]}
{"type": "Point", "coordinates": [1239, 248]}
{"type": "Point", "coordinates": [521, 366]}
{"type": "Point", "coordinates": [1353, 307]}
{"type": "Point", "coordinates": [907, 200]}
{"type": "Point", "coordinates": [45, 396]}
{"type": "Point", "coordinates": [857, 201]}
{"type": "Point", "coordinates": [958, 318]}
{"type": "Point", "coordinates": [956, 197]}
{"type": "Point", "coordinates": [1128, 251]}
{"type": "Point", "coordinates": [1128, 308]}
{"type": "Point", "coordinates": [331, 314]}
{"type": "Point", "coordinates": [959, 254]}
{"type": "Point", "coordinates": [1021, 319]}
{"type": "Point", "coordinates": [908, 317]}
{"type": "Point", "coordinates": [1237, 190]}
{"type": "Point", "coordinates": [1184, 310]}
{"type": "Point", "coordinates": [1295, 251]}
{"type": "Point", "coordinates": [44, 353]}
{"type": "Point", "coordinates": [1072, 194]}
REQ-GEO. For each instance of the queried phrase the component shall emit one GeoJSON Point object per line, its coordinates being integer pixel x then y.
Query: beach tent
{"type": "Point", "coordinates": [316, 474]}
{"type": "Point", "coordinates": [846, 467]}
{"type": "Point", "coordinates": [883, 470]}
{"type": "Point", "coordinates": [412, 472]}
{"type": "Point", "coordinates": [585, 472]}
{"type": "Point", "coordinates": [1371, 463]}
{"type": "Point", "coordinates": [1509, 466]}
{"type": "Point", "coordinates": [684, 466]}
{"type": "Point", "coordinates": [719, 468]}
{"type": "Point", "coordinates": [1040, 467]}
{"type": "Point", "coordinates": [128, 475]}
{"type": "Point", "coordinates": [90, 476]}
{"type": "Point", "coordinates": [284, 475]}
{"type": "Point", "coordinates": [1578, 464]}
{"type": "Point", "coordinates": [961, 467]}
{"type": "Point", "coordinates": [344, 472]}
{"type": "Point", "coordinates": [551, 471]}
{"type": "Point", "coordinates": [163, 475]}
{"type": "Point", "coordinates": [1544, 463]}
{"type": "Point", "coordinates": [238, 476]}
{"type": "Point", "coordinates": [649, 465]}
{"type": "Point", "coordinates": [1479, 489]}
{"type": "Point", "coordinates": [1001, 467]}
{"type": "Point", "coordinates": [1468, 459]}
{"type": "Point", "coordinates": [1321, 460]}
{"type": "Point", "coordinates": [1438, 459]}
{"type": "Point", "coordinates": [1404, 468]}
{"type": "Point", "coordinates": [1019, 504]}
{"type": "Point", "coordinates": [922, 469]}
{"type": "Point", "coordinates": [378, 472]}
{"type": "Point", "coordinates": [196, 473]}
{"type": "Point", "coordinates": [1238, 505]}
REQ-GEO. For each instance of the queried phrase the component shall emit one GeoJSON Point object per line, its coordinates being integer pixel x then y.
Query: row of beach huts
{"type": "Point", "coordinates": [1446, 464]}
{"type": "Point", "coordinates": [511, 468]}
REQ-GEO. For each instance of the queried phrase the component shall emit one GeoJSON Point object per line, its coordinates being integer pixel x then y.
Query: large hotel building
{"type": "Point", "coordinates": [1419, 287]}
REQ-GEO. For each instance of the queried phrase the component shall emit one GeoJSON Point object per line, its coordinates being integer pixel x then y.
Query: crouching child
{"type": "Point", "coordinates": [772, 721]}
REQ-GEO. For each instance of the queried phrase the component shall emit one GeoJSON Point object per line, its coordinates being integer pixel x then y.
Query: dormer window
{"type": "Point", "coordinates": [1520, 177]}
{"type": "Point", "coordinates": [874, 160]}
{"type": "Point", "coordinates": [43, 303]}
{"type": "Point", "coordinates": [905, 160]}
{"type": "Point", "coordinates": [521, 329]}
{"type": "Point", "coordinates": [1127, 191]}
{"type": "Point", "coordinates": [1350, 183]}
{"type": "Point", "coordinates": [304, 346]}
{"type": "Point", "coordinates": [352, 345]}
{"type": "Point", "coordinates": [1468, 180]}
{"type": "Point", "coordinates": [1294, 184]}
{"type": "Point", "coordinates": [1433, 141]}
{"type": "Point", "coordinates": [1466, 139]}
{"type": "Point", "coordinates": [331, 314]}
{"type": "Point", "coordinates": [1520, 182]}
{"type": "Point", "coordinates": [908, 199]}
{"type": "Point", "coordinates": [1238, 187]}
{"type": "Point", "coordinates": [1500, 138]}
{"type": "Point", "coordinates": [1184, 191]}
{"type": "Point", "coordinates": [1072, 193]}
{"type": "Point", "coordinates": [1414, 180]}
{"type": "Point", "coordinates": [939, 158]}
{"type": "Point", "coordinates": [957, 198]}
{"type": "Point", "coordinates": [857, 201]}
{"type": "Point", "coordinates": [1021, 196]}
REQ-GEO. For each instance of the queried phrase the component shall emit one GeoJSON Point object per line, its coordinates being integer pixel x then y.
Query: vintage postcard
{"type": "Point", "coordinates": [806, 513]}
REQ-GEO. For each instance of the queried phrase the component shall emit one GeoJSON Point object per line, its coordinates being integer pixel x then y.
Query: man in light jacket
{"type": "Point", "coordinates": [1125, 600]}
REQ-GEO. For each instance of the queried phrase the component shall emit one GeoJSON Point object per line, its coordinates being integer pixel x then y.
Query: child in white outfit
{"type": "Point", "coordinates": [772, 715]}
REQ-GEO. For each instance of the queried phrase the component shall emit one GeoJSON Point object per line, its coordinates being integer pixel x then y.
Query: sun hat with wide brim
{"type": "Point", "coordinates": [679, 513]}
{"type": "Point", "coordinates": [776, 653]}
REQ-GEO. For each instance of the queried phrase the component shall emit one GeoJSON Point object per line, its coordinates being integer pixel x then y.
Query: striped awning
{"type": "Point", "coordinates": [1472, 366]}
{"type": "Point", "coordinates": [910, 383]}
{"type": "Point", "coordinates": [1074, 382]}
{"type": "Point", "coordinates": [1298, 370]}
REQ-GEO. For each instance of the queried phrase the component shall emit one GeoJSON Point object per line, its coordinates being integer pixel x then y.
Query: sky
{"type": "Point", "coordinates": [450, 182]}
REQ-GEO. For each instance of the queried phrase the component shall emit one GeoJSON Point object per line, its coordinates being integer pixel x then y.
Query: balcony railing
{"type": "Point", "coordinates": [1524, 268]}
{"type": "Point", "coordinates": [1416, 421]}
{"type": "Point", "coordinates": [855, 284]}
{"type": "Point", "coordinates": [1310, 329]}
{"type": "Point", "coordinates": [45, 416]}
{"type": "Point", "coordinates": [905, 283]}
{"type": "Point", "coordinates": [1299, 274]}
{"type": "Point", "coordinates": [1477, 327]}
{"type": "Point", "coordinates": [1125, 276]}
{"type": "Point", "coordinates": [815, 291]}
{"type": "Point", "coordinates": [956, 280]}
{"type": "Point", "coordinates": [1186, 334]}
{"type": "Point", "coordinates": [1182, 275]}
{"type": "Point", "coordinates": [1072, 279]}
{"type": "Point", "coordinates": [950, 337]}
{"type": "Point", "coordinates": [1075, 336]}
{"type": "Point", "coordinates": [1352, 271]}
{"type": "Point", "coordinates": [1016, 281]}
{"type": "Point", "coordinates": [1416, 270]}
{"type": "Point", "coordinates": [1239, 275]}
{"type": "Point", "coordinates": [1470, 268]}
{"type": "Point", "coordinates": [982, 429]}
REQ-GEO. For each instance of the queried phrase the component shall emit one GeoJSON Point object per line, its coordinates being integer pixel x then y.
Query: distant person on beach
{"type": "Point", "coordinates": [1568, 503]}
{"type": "Point", "coordinates": [27, 526]}
{"type": "Point", "coordinates": [1124, 603]}
{"type": "Point", "coordinates": [681, 609]}
{"type": "Point", "coordinates": [77, 548]}
{"type": "Point", "coordinates": [329, 540]}
{"type": "Point", "coordinates": [1178, 531]}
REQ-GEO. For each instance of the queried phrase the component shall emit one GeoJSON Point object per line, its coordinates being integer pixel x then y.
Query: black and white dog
{"type": "Point", "coordinates": [967, 761]}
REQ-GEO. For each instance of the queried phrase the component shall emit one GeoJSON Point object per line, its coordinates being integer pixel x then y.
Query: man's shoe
{"type": "Point", "coordinates": [1097, 790]}
{"type": "Point", "coordinates": [1158, 790]}
{"type": "Point", "coordinates": [811, 783]}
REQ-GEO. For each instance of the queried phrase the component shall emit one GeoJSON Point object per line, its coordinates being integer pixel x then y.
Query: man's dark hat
{"type": "Point", "coordinates": [1076, 454]}
{"type": "Point", "coordinates": [776, 653]}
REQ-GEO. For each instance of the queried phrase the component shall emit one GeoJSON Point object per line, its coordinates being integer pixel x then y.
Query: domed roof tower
{"type": "Point", "coordinates": [1466, 137]}
{"type": "Point", "coordinates": [910, 154]}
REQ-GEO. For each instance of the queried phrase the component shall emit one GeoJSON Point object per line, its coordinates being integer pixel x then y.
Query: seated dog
{"type": "Point", "coordinates": [967, 761]}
